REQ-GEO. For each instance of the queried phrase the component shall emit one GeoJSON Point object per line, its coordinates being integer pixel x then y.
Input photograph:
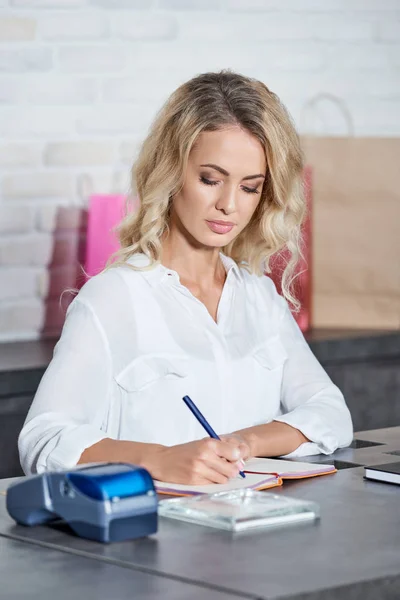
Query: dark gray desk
{"type": "Point", "coordinates": [354, 552]}
{"type": "Point", "coordinates": [28, 571]}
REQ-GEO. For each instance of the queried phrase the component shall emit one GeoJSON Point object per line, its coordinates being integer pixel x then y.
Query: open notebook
{"type": "Point", "coordinates": [261, 474]}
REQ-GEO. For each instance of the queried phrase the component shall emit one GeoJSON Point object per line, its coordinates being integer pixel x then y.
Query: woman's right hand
{"type": "Point", "coordinates": [196, 463]}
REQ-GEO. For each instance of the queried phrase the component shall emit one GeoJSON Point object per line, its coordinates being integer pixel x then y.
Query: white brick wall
{"type": "Point", "coordinates": [80, 81]}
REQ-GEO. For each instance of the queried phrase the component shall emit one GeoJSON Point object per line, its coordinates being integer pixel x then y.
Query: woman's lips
{"type": "Point", "coordinates": [220, 226]}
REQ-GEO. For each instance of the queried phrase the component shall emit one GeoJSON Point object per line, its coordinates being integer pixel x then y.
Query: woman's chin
{"type": "Point", "coordinates": [210, 239]}
{"type": "Point", "coordinates": [216, 241]}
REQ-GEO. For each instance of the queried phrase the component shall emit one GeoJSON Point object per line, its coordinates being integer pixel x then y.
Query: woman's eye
{"type": "Point", "coordinates": [250, 190]}
{"type": "Point", "coordinates": [246, 189]}
{"type": "Point", "coordinates": [208, 181]}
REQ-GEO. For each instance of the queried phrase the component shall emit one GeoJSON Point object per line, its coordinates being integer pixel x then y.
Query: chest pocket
{"type": "Point", "coordinates": [145, 371]}
{"type": "Point", "coordinates": [152, 388]}
{"type": "Point", "coordinates": [270, 354]}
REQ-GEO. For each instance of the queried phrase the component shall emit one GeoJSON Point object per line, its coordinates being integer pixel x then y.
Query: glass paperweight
{"type": "Point", "coordinates": [239, 510]}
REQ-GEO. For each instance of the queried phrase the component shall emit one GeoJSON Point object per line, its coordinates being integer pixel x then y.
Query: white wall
{"type": "Point", "coordinates": [80, 81]}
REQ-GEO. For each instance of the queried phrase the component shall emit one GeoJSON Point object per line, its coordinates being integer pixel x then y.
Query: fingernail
{"type": "Point", "coordinates": [236, 453]}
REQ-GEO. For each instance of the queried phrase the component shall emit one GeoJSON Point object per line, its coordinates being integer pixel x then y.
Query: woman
{"type": "Point", "coordinates": [220, 171]}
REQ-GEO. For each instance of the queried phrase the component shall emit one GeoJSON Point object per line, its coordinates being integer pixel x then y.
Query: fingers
{"type": "Point", "coordinates": [201, 462]}
{"type": "Point", "coordinates": [230, 449]}
{"type": "Point", "coordinates": [206, 473]}
{"type": "Point", "coordinates": [225, 468]}
{"type": "Point", "coordinates": [219, 456]}
{"type": "Point", "coordinates": [241, 443]}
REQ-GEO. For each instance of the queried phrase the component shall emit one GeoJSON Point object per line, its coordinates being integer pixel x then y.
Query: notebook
{"type": "Point", "coordinates": [287, 469]}
{"type": "Point", "coordinates": [389, 472]}
{"type": "Point", "coordinates": [261, 474]}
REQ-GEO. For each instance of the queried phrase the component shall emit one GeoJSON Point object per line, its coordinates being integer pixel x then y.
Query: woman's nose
{"type": "Point", "coordinates": [227, 201]}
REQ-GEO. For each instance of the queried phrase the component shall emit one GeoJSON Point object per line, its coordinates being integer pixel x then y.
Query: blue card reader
{"type": "Point", "coordinates": [107, 502]}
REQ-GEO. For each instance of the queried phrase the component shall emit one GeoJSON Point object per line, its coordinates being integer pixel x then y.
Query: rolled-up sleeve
{"type": "Point", "coordinates": [310, 401]}
{"type": "Point", "coordinates": [71, 402]}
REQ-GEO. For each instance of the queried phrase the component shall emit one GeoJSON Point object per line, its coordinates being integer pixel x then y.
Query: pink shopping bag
{"type": "Point", "coordinates": [105, 211]}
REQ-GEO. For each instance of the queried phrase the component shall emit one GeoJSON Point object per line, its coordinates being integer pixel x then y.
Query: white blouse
{"type": "Point", "coordinates": [135, 342]}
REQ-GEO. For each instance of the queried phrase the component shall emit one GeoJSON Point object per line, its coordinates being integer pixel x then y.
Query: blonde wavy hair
{"type": "Point", "coordinates": [210, 102]}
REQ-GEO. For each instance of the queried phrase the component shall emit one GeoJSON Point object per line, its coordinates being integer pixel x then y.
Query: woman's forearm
{"type": "Point", "coordinates": [272, 439]}
{"type": "Point", "coordinates": [109, 450]}
{"type": "Point", "coordinates": [198, 462]}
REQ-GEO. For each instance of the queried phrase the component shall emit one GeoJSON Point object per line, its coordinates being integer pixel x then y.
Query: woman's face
{"type": "Point", "coordinates": [222, 188]}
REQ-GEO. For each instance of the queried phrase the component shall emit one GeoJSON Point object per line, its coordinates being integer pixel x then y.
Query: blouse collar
{"type": "Point", "coordinates": [158, 273]}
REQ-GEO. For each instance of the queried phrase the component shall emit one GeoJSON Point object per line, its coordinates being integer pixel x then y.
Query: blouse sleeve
{"type": "Point", "coordinates": [71, 402]}
{"type": "Point", "coordinates": [310, 401]}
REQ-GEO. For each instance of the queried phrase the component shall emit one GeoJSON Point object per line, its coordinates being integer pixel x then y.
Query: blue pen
{"type": "Point", "coordinates": [201, 419]}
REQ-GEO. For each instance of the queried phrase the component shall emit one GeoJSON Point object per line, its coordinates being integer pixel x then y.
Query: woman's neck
{"type": "Point", "coordinates": [199, 265]}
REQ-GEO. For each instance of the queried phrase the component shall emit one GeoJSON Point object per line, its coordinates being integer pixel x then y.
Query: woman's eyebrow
{"type": "Point", "coordinates": [224, 172]}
